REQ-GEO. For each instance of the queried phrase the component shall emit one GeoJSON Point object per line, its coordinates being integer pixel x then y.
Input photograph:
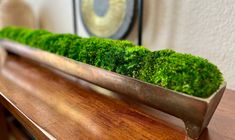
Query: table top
{"type": "Point", "coordinates": [53, 105]}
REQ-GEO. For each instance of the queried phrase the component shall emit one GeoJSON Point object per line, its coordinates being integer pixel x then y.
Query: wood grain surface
{"type": "Point", "coordinates": [53, 105]}
{"type": "Point", "coordinates": [3, 125]}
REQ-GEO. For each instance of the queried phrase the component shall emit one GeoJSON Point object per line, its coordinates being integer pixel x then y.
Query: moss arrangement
{"type": "Point", "coordinates": [180, 72]}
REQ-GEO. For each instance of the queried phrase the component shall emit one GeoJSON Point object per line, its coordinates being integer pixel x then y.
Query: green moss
{"type": "Point", "coordinates": [133, 61]}
{"type": "Point", "coordinates": [148, 70]}
{"type": "Point", "coordinates": [32, 38]}
{"type": "Point", "coordinates": [56, 43]}
{"type": "Point", "coordinates": [180, 72]}
{"type": "Point", "coordinates": [11, 32]}
{"type": "Point", "coordinates": [103, 53]}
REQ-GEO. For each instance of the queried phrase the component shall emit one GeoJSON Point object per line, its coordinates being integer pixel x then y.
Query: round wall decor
{"type": "Point", "coordinates": [107, 18]}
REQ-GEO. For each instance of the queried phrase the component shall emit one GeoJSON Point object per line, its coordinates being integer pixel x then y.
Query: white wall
{"type": "Point", "coordinates": [54, 15]}
{"type": "Point", "coordinates": [201, 27]}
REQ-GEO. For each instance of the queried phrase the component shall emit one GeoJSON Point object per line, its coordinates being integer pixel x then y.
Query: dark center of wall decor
{"type": "Point", "coordinates": [101, 7]}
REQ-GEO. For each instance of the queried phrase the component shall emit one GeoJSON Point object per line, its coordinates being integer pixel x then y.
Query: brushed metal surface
{"type": "Point", "coordinates": [194, 111]}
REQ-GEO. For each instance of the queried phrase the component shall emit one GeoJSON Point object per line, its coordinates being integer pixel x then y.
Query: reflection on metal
{"type": "Point", "coordinates": [3, 56]}
{"type": "Point", "coordinates": [107, 18]}
{"type": "Point", "coordinates": [195, 112]}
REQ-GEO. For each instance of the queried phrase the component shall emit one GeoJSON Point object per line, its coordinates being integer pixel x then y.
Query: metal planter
{"type": "Point", "coordinates": [195, 112]}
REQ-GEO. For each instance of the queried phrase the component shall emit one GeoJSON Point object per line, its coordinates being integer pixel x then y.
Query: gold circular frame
{"type": "Point", "coordinates": [114, 24]}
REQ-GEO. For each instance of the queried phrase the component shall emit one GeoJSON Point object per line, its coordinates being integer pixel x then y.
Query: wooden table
{"type": "Point", "coordinates": [53, 105]}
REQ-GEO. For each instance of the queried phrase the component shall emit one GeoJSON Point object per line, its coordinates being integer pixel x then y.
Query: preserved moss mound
{"type": "Point", "coordinates": [185, 73]}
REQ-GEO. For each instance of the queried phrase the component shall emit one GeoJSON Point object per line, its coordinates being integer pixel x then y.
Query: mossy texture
{"type": "Point", "coordinates": [181, 72]}
{"type": "Point", "coordinates": [185, 73]}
